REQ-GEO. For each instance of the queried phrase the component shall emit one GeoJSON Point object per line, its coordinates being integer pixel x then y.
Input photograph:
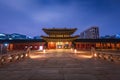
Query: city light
{"type": "Point", "coordinates": [6, 44]}
{"type": "Point", "coordinates": [2, 35]}
{"type": "Point", "coordinates": [40, 48]}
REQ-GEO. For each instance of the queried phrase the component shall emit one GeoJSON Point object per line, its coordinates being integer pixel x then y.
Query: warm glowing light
{"type": "Point", "coordinates": [3, 60]}
{"type": "Point", "coordinates": [17, 57]}
{"type": "Point", "coordinates": [95, 55]}
{"type": "Point", "coordinates": [22, 56]}
{"type": "Point", "coordinates": [40, 47]}
{"type": "Point", "coordinates": [51, 42]}
{"type": "Point", "coordinates": [44, 51]}
{"type": "Point", "coordinates": [26, 46]}
{"type": "Point", "coordinates": [66, 42]}
{"type": "Point", "coordinates": [36, 56]}
{"type": "Point", "coordinates": [75, 51]}
{"type": "Point", "coordinates": [59, 46]}
{"type": "Point", "coordinates": [10, 57]}
{"type": "Point", "coordinates": [85, 56]}
{"type": "Point", "coordinates": [26, 55]}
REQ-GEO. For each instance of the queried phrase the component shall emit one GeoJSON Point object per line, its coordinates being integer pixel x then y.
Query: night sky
{"type": "Point", "coordinates": [30, 16]}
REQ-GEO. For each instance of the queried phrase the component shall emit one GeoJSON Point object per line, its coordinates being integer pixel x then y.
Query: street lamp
{"type": "Point", "coordinates": [6, 46]}
{"type": "Point", "coordinates": [75, 51]}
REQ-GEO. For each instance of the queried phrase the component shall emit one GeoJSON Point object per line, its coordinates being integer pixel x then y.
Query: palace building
{"type": "Point", "coordinates": [86, 44]}
{"type": "Point", "coordinates": [59, 37]}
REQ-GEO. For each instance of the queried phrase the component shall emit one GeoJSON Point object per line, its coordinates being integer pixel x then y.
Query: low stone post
{"type": "Point", "coordinates": [93, 52]}
{"type": "Point", "coordinates": [28, 51]}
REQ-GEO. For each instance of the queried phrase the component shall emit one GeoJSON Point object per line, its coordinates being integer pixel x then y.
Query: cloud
{"type": "Point", "coordinates": [52, 13]}
{"type": "Point", "coordinates": [54, 10]}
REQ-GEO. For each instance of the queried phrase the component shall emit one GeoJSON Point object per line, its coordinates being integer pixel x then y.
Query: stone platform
{"type": "Point", "coordinates": [60, 65]}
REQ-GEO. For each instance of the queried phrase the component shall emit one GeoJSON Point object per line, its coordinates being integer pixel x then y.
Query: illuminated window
{"type": "Point", "coordinates": [51, 42]}
{"type": "Point", "coordinates": [40, 47]}
{"type": "Point", "coordinates": [26, 46]}
{"type": "Point", "coordinates": [30, 46]}
{"type": "Point", "coordinates": [35, 46]}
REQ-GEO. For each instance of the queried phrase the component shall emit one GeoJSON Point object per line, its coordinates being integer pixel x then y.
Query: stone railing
{"type": "Point", "coordinates": [16, 56]}
{"type": "Point", "coordinates": [107, 56]}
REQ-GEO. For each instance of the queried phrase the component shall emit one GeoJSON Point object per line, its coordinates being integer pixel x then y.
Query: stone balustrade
{"type": "Point", "coordinates": [16, 56]}
{"type": "Point", "coordinates": [107, 56]}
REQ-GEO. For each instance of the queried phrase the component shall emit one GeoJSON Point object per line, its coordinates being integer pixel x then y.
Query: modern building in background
{"type": "Point", "coordinates": [90, 33]}
{"type": "Point", "coordinates": [18, 36]}
{"type": "Point", "coordinates": [13, 36]}
{"type": "Point", "coordinates": [3, 36]}
{"type": "Point", "coordinates": [116, 36]}
{"type": "Point", "coordinates": [37, 37]}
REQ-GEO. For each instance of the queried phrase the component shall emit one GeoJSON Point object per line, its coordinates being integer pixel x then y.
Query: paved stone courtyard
{"type": "Point", "coordinates": [60, 65]}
